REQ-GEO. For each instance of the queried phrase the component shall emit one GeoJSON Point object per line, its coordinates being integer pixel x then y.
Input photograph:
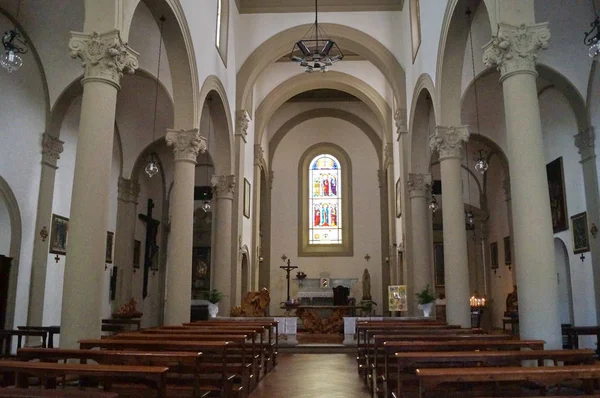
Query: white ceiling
{"type": "Point", "coordinates": [276, 6]}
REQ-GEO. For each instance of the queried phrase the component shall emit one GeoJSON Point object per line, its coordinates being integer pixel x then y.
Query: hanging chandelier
{"type": "Point", "coordinates": [592, 38]}
{"type": "Point", "coordinates": [433, 205]}
{"type": "Point", "coordinates": [14, 44]}
{"type": "Point", "coordinates": [481, 164]}
{"type": "Point", "coordinates": [316, 51]}
{"type": "Point", "coordinates": [207, 195]}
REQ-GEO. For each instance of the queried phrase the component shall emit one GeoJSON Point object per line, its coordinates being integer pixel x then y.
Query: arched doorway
{"type": "Point", "coordinates": [563, 276]}
{"type": "Point", "coordinates": [244, 285]}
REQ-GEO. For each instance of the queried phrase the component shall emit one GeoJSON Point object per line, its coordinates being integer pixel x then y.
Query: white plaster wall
{"type": "Point", "coordinates": [22, 116]}
{"type": "Point", "coordinates": [559, 127]}
{"type": "Point", "coordinates": [366, 212]}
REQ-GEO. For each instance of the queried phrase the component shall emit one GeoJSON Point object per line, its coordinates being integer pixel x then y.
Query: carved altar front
{"type": "Point", "coordinates": [321, 319]}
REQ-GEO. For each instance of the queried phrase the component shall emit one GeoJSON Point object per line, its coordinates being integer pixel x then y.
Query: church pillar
{"type": "Point", "coordinates": [448, 141]}
{"type": "Point", "coordinates": [126, 220]}
{"type": "Point", "coordinates": [585, 141]}
{"type": "Point", "coordinates": [186, 145]}
{"type": "Point", "coordinates": [419, 188]}
{"type": "Point", "coordinates": [260, 164]}
{"type": "Point", "coordinates": [224, 188]}
{"type": "Point", "coordinates": [51, 150]}
{"type": "Point", "coordinates": [507, 198]}
{"type": "Point", "coordinates": [104, 57]}
{"type": "Point", "coordinates": [514, 51]}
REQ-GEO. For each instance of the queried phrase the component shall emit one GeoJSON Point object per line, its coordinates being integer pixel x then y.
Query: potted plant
{"type": "Point", "coordinates": [425, 298]}
{"type": "Point", "coordinates": [213, 297]}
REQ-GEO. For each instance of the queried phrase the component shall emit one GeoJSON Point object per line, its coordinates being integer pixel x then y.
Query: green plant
{"type": "Point", "coordinates": [425, 296]}
{"type": "Point", "coordinates": [214, 296]}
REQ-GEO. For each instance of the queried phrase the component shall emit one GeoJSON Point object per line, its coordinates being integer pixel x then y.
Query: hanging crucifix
{"type": "Point", "coordinates": [151, 248]}
{"type": "Point", "coordinates": [287, 268]}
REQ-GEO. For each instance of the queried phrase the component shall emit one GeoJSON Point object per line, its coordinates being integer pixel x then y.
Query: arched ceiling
{"type": "Point", "coordinates": [262, 6]}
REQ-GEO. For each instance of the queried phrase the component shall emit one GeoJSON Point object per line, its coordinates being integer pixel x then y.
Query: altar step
{"type": "Point", "coordinates": [316, 349]}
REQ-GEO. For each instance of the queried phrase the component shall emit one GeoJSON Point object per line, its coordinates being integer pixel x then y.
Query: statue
{"type": "Point", "coordinates": [512, 304]}
{"type": "Point", "coordinates": [366, 285]}
{"type": "Point", "coordinates": [254, 304]}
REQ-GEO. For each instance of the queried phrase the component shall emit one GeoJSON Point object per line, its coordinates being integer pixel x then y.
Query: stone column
{"type": "Point", "coordinates": [104, 57]}
{"type": "Point", "coordinates": [126, 220]}
{"type": "Point", "coordinates": [51, 149]}
{"type": "Point", "coordinates": [223, 261]}
{"type": "Point", "coordinates": [419, 190]}
{"type": "Point", "coordinates": [260, 164]}
{"type": "Point", "coordinates": [186, 146]}
{"type": "Point", "coordinates": [584, 141]}
{"type": "Point", "coordinates": [514, 52]}
{"type": "Point", "coordinates": [448, 141]}
{"type": "Point", "coordinates": [507, 198]}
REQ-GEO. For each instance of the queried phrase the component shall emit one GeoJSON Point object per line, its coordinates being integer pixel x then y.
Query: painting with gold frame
{"type": "Point", "coordinates": [579, 230]}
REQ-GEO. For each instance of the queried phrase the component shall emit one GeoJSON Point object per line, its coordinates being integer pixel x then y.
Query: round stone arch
{"type": "Point", "coordinates": [331, 80]}
{"type": "Point", "coordinates": [353, 39]}
{"type": "Point", "coordinates": [423, 103]}
{"type": "Point", "coordinates": [451, 52]}
{"type": "Point", "coordinates": [14, 251]}
{"type": "Point", "coordinates": [214, 92]}
{"type": "Point", "coordinates": [321, 113]}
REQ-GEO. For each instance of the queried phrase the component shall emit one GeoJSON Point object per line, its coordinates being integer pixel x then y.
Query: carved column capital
{"type": "Point", "coordinates": [401, 123]}
{"type": "Point", "coordinates": [419, 185]}
{"type": "Point", "coordinates": [128, 190]}
{"type": "Point", "coordinates": [388, 155]}
{"type": "Point", "coordinates": [104, 56]}
{"type": "Point", "coordinates": [515, 48]}
{"type": "Point", "coordinates": [448, 141]}
{"type": "Point", "coordinates": [584, 141]}
{"type": "Point", "coordinates": [242, 119]}
{"type": "Point", "coordinates": [259, 157]}
{"type": "Point", "coordinates": [186, 144]}
{"type": "Point", "coordinates": [223, 186]}
{"type": "Point", "coordinates": [51, 149]}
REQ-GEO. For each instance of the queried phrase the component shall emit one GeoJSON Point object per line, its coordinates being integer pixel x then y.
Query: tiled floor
{"type": "Point", "coordinates": [313, 376]}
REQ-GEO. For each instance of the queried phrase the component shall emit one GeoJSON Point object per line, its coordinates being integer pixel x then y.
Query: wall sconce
{"type": "Point", "coordinates": [594, 230]}
{"type": "Point", "coordinates": [44, 234]}
{"type": "Point", "coordinates": [387, 259]}
{"type": "Point", "coordinates": [284, 257]}
{"type": "Point", "coordinates": [261, 259]}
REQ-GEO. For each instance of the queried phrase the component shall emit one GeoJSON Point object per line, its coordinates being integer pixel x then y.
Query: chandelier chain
{"type": "Point", "coordinates": [473, 68]}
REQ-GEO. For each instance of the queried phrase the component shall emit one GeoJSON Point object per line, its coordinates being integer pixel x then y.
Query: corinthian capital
{"type": "Point", "coordinates": [585, 140]}
{"type": "Point", "coordinates": [515, 48]}
{"type": "Point", "coordinates": [388, 155]}
{"type": "Point", "coordinates": [419, 185]}
{"type": "Point", "coordinates": [259, 156]}
{"type": "Point", "coordinates": [241, 123]}
{"type": "Point", "coordinates": [51, 149]}
{"type": "Point", "coordinates": [104, 56]}
{"type": "Point", "coordinates": [186, 144]}
{"type": "Point", "coordinates": [448, 141]}
{"type": "Point", "coordinates": [224, 186]}
{"type": "Point", "coordinates": [401, 123]}
{"type": "Point", "coordinates": [128, 190]}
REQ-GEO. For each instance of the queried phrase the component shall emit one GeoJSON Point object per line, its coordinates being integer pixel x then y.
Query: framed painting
{"type": "Point", "coordinates": [137, 252]}
{"type": "Point", "coordinates": [579, 229]}
{"type": "Point", "coordinates": [200, 271]}
{"type": "Point", "coordinates": [438, 262]}
{"type": "Point", "coordinates": [398, 199]}
{"type": "Point", "coordinates": [110, 238]}
{"type": "Point", "coordinates": [494, 255]}
{"type": "Point", "coordinates": [59, 234]}
{"type": "Point", "coordinates": [507, 254]}
{"type": "Point", "coordinates": [246, 198]}
{"type": "Point", "coordinates": [558, 199]}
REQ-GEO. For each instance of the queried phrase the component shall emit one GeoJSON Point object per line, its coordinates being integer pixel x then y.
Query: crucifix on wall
{"type": "Point", "coordinates": [288, 268]}
{"type": "Point", "coordinates": [151, 248]}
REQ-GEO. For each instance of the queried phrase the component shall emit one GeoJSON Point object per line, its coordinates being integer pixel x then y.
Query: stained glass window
{"type": "Point", "coordinates": [325, 200]}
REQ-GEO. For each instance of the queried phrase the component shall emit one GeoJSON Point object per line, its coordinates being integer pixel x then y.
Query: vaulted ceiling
{"type": "Point", "coordinates": [264, 6]}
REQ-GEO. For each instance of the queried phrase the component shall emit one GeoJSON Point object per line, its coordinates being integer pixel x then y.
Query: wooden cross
{"type": "Point", "coordinates": [288, 268]}
{"type": "Point", "coordinates": [582, 257]}
{"type": "Point", "coordinates": [151, 248]}
{"type": "Point", "coordinates": [57, 259]}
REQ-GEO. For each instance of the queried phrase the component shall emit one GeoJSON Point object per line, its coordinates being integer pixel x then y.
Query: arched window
{"type": "Point", "coordinates": [325, 213]}
{"type": "Point", "coordinates": [222, 33]}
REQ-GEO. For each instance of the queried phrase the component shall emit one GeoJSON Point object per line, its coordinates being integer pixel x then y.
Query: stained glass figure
{"type": "Point", "coordinates": [325, 199]}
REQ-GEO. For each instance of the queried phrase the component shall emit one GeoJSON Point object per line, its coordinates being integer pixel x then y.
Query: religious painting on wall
{"type": "Point", "coordinates": [398, 199]}
{"type": "Point", "coordinates": [59, 234]}
{"type": "Point", "coordinates": [558, 199]}
{"type": "Point", "coordinates": [137, 252]}
{"type": "Point", "coordinates": [110, 237]}
{"type": "Point", "coordinates": [494, 255]}
{"type": "Point", "coordinates": [507, 254]}
{"type": "Point", "coordinates": [200, 271]}
{"type": "Point", "coordinates": [581, 240]}
{"type": "Point", "coordinates": [397, 298]}
{"type": "Point", "coordinates": [246, 198]}
{"type": "Point", "coordinates": [325, 200]}
{"type": "Point", "coordinates": [438, 262]}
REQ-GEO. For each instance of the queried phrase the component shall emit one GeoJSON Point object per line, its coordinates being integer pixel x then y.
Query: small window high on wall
{"type": "Point", "coordinates": [222, 32]}
{"type": "Point", "coordinates": [326, 206]}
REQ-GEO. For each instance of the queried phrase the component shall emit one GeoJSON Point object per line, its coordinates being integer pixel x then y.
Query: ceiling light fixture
{"type": "Point", "coordinates": [316, 52]}
{"type": "Point", "coordinates": [14, 44]}
{"type": "Point", "coordinates": [481, 164]}
{"type": "Point", "coordinates": [433, 205]}
{"type": "Point", "coordinates": [592, 38]}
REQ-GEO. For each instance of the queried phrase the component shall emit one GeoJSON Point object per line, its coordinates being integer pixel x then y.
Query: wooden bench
{"type": "Point", "coordinates": [130, 324]}
{"type": "Point", "coordinates": [433, 379]}
{"type": "Point", "coordinates": [408, 362]}
{"type": "Point", "coordinates": [6, 337]}
{"type": "Point", "coordinates": [50, 331]}
{"type": "Point", "coordinates": [573, 333]}
{"type": "Point", "coordinates": [152, 376]}
{"type": "Point", "coordinates": [12, 392]}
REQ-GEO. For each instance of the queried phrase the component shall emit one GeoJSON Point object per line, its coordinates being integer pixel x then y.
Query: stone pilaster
{"type": "Point", "coordinates": [51, 149]}
{"type": "Point", "coordinates": [224, 189]}
{"type": "Point", "coordinates": [401, 123]}
{"type": "Point", "coordinates": [388, 156]}
{"type": "Point", "coordinates": [186, 145]}
{"type": "Point", "coordinates": [514, 52]}
{"type": "Point", "coordinates": [259, 157]}
{"type": "Point", "coordinates": [448, 141]}
{"type": "Point", "coordinates": [104, 58]}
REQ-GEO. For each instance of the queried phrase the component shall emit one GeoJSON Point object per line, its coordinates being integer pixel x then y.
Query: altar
{"type": "Point", "coordinates": [320, 291]}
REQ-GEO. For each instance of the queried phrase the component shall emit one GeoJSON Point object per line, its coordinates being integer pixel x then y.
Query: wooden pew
{"type": "Point", "coordinates": [12, 392]}
{"type": "Point", "coordinates": [573, 333]}
{"type": "Point", "coordinates": [126, 324]}
{"type": "Point", "coordinates": [6, 337]}
{"type": "Point", "coordinates": [50, 331]}
{"type": "Point", "coordinates": [152, 376]}
{"type": "Point", "coordinates": [215, 354]}
{"type": "Point", "coordinates": [408, 362]}
{"type": "Point", "coordinates": [545, 376]}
